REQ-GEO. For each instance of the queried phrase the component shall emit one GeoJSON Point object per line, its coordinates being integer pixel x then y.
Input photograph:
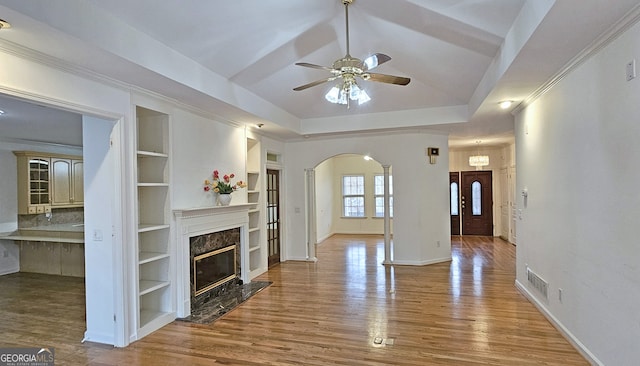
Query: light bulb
{"type": "Point", "coordinates": [505, 104]}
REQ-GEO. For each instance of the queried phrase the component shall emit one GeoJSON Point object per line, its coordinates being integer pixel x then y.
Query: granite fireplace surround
{"type": "Point", "coordinates": [207, 243]}
{"type": "Point", "coordinates": [201, 230]}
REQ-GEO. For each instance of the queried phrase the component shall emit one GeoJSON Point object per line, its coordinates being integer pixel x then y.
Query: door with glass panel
{"type": "Point", "coordinates": [454, 195]}
{"type": "Point", "coordinates": [273, 216]}
{"type": "Point", "coordinates": [476, 202]}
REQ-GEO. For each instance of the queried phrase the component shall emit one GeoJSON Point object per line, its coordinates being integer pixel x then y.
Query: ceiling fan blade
{"type": "Point", "coordinates": [389, 79]}
{"type": "Point", "coordinates": [313, 66]}
{"type": "Point", "coordinates": [375, 60]}
{"type": "Point", "coordinates": [314, 83]}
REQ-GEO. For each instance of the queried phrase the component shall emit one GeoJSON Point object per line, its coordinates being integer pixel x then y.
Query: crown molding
{"type": "Point", "coordinates": [77, 70]}
{"type": "Point", "coordinates": [615, 31]}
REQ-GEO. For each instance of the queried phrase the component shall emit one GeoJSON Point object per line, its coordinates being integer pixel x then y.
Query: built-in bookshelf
{"type": "Point", "coordinates": [155, 304]}
{"type": "Point", "coordinates": [257, 253]}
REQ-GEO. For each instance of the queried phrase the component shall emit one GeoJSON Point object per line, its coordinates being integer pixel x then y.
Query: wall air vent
{"type": "Point", "coordinates": [537, 282]}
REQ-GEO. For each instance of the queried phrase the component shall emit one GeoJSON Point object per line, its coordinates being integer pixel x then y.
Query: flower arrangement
{"type": "Point", "coordinates": [224, 185]}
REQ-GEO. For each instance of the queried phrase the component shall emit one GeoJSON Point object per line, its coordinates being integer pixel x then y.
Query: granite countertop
{"type": "Point", "coordinates": [59, 233]}
{"type": "Point", "coordinates": [79, 227]}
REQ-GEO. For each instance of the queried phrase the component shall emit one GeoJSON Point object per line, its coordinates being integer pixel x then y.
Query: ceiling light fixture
{"type": "Point", "coordinates": [505, 104]}
{"type": "Point", "coordinates": [479, 160]}
{"type": "Point", "coordinates": [349, 68]}
{"type": "Point", "coordinates": [1, 112]}
{"type": "Point", "coordinates": [346, 91]}
{"type": "Point", "coordinates": [4, 24]}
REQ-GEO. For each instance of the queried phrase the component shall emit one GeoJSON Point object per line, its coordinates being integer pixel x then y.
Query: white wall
{"type": "Point", "coordinates": [8, 212]}
{"type": "Point", "coordinates": [577, 152]}
{"type": "Point", "coordinates": [421, 202]}
{"type": "Point", "coordinates": [199, 146]}
{"type": "Point", "coordinates": [99, 217]}
{"type": "Point", "coordinates": [325, 201]}
{"type": "Point", "coordinates": [8, 192]}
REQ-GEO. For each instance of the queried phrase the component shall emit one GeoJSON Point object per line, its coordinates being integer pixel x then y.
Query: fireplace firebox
{"type": "Point", "coordinates": [213, 269]}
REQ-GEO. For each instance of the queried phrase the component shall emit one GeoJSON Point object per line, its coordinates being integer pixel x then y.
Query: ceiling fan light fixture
{"type": "Point", "coordinates": [341, 92]}
{"type": "Point", "coordinates": [363, 97]}
{"type": "Point", "coordinates": [350, 68]}
{"type": "Point", "coordinates": [336, 95]}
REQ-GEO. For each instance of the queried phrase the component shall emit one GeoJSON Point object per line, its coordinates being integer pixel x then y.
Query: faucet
{"type": "Point", "coordinates": [48, 215]}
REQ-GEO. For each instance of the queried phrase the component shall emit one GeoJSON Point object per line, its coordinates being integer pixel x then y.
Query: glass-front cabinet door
{"type": "Point", "coordinates": [34, 182]}
{"type": "Point", "coordinates": [38, 181]}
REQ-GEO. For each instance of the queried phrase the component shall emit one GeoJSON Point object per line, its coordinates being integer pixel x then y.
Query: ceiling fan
{"type": "Point", "coordinates": [348, 69]}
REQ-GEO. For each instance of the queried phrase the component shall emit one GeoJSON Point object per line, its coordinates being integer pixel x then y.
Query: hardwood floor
{"type": "Point", "coordinates": [463, 312]}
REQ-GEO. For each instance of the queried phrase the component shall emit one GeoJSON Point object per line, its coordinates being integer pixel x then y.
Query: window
{"type": "Point", "coordinates": [353, 195]}
{"type": "Point", "coordinates": [378, 184]}
{"type": "Point", "coordinates": [454, 199]}
{"type": "Point", "coordinates": [476, 198]}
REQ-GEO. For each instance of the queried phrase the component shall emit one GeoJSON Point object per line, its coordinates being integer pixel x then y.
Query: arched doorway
{"type": "Point", "coordinates": [346, 195]}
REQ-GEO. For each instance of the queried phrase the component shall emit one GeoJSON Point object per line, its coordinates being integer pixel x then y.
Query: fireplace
{"type": "Point", "coordinates": [215, 235]}
{"type": "Point", "coordinates": [215, 265]}
{"type": "Point", "coordinates": [213, 269]}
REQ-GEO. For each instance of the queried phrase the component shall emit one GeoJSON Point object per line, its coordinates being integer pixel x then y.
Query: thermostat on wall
{"type": "Point", "coordinates": [432, 152]}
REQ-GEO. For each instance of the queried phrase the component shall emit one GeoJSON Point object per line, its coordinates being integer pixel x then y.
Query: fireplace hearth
{"type": "Point", "coordinates": [220, 305]}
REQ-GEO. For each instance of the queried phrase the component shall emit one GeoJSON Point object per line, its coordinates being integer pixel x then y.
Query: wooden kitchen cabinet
{"type": "Point", "coordinates": [48, 180]}
{"type": "Point", "coordinates": [34, 182]}
{"type": "Point", "coordinates": [67, 184]}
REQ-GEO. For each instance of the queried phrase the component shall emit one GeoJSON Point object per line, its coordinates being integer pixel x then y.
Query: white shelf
{"type": "Point", "coordinates": [253, 249]}
{"type": "Point", "coordinates": [147, 286]}
{"type": "Point", "coordinates": [151, 227]}
{"type": "Point", "coordinates": [146, 257]}
{"type": "Point", "coordinates": [152, 154]}
{"type": "Point", "coordinates": [253, 229]}
{"type": "Point", "coordinates": [153, 184]}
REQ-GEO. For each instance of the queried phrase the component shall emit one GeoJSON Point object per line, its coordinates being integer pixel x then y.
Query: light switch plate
{"type": "Point", "coordinates": [97, 235]}
{"type": "Point", "coordinates": [631, 70]}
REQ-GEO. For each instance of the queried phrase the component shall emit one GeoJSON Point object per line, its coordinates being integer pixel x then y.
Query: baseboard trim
{"type": "Point", "coordinates": [420, 263]}
{"type": "Point", "coordinates": [325, 237]}
{"type": "Point", "coordinates": [9, 271]}
{"type": "Point", "coordinates": [98, 338]}
{"type": "Point", "coordinates": [301, 259]}
{"type": "Point", "coordinates": [575, 342]}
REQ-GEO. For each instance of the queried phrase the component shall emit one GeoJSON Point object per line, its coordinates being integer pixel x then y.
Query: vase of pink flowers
{"type": "Point", "coordinates": [223, 186]}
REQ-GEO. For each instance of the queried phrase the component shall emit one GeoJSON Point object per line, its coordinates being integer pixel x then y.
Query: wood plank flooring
{"type": "Point", "coordinates": [463, 312]}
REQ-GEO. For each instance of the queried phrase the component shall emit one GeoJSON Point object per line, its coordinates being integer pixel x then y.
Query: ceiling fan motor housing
{"type": "Point", "coordinates": [349, 65]}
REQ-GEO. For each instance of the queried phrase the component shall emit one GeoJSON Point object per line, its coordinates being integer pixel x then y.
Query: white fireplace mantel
{"type": "Point", "coordinates": [192, 222]}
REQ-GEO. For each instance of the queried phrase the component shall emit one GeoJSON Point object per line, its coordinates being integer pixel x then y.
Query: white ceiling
{"type": "Point", "coordinates": [236, 58]}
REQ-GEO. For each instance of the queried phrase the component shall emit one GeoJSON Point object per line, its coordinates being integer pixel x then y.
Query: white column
{"type": "Point", "coordinates": [387, 218]}
{"type": "Point", "coordinates": [310, 178]}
